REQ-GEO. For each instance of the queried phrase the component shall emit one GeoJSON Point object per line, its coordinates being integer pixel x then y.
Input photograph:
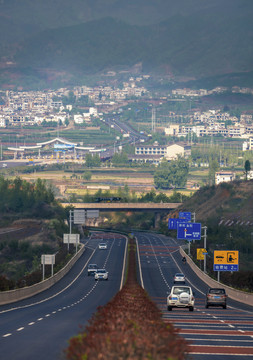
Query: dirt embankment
{"type": "Point", "coordinates": [226, 201]}
{"type": "Point", "coordinates": [33, 231]}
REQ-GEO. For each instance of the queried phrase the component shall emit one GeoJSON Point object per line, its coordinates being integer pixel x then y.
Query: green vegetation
{"type": "Point", "coordinates": [247, 168]}
{"type": "Point", "coordinates": [171, 174]}
{"type": "Point", "coordinates": [37, 224]}
{"type": "Point", "coordinates": [19, 196]}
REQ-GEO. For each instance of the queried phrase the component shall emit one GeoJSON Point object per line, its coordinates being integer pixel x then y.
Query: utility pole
{"type": "Point", "coordinates": [153, 119]}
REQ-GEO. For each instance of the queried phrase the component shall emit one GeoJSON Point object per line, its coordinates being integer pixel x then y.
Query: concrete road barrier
{"type": "Point", "coordinates": [242, 296]}
{"type": "Point", "coordinates": [7, 297]}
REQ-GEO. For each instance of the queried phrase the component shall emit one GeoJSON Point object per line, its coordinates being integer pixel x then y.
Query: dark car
{"type": "Point", "coordinates": [216, 297]}
{"type": "Point", "coordinates": [92, 269]}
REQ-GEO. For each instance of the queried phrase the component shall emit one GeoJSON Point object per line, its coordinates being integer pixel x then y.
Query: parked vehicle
{"type": "Point", "coordinates": [101, 274]}
{"type": "Point", "coordinates": [181, 297]}
{"type": "Point", "coordinates": [179, 278]}
{"type": "Point", "coordinates": [92, 269]}
{"type": "Point", "coordinates": [216, 297]}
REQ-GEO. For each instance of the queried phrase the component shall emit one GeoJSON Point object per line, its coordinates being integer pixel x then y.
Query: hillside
{"type": "Point", "coordinates": [224, 203]}
{"type": "Point", "coordinates": [47, 14]}
{"type": "Point", "coordinates": [194, 38]}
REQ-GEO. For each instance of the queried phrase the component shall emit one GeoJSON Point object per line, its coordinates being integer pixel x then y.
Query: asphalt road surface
{"type": "Point", "coordinates": [214, 333]}
{"type": "Point", "coordinates": [39, 327]}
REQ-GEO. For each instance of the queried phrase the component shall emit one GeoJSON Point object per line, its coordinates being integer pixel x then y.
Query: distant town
{"type": "Point", "coordinates": [28, 108]}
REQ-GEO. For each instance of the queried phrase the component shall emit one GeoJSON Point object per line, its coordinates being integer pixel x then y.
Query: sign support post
{"type": "Point", "coordinates": [43, 267]}
{"type": "Point", "coordinates": [70, 226]}
{"type": "Point", "coordinates": [205, 228]}
{"type": "Point", "coordinates": [218, 276]}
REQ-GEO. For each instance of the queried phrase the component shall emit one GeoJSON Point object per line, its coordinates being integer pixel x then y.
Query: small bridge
{"type": "Point", "coordinates": [156, 208]}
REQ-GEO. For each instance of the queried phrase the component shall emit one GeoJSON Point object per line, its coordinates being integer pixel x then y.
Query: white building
{"type": "Point", "coordinates": [2, 121]}
{"type": "Point", "coordinates": [78, 119]}
{"type": "Point", "coordinates": [224, 176]}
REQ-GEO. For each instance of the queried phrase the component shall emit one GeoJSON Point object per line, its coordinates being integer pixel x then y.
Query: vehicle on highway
{"type": "Point", "coordinates": [179, 278]}
{"type": "Point", "coordinates": [101, 274]}
{"type": "Point", "coordinates": [102, 246]}
{"type": "Point", "coordinates": [4, 165]}
{"type": "Point", "coordinates": [216, 297]}
{"type": "Point", "coordinates": [181, 297]}
{"type": "Point", "coordinates": [92, 269]}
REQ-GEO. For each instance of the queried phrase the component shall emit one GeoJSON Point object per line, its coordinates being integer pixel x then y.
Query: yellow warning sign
{"type": "Point", "coordinates": [200, 253]}
{"type": "Point", "coordinates": [226, 257]}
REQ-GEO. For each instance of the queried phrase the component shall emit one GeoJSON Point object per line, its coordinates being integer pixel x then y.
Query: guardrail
{"type": "Point", "coordinates": [7, 297]}
{"type": "Point", "coordinates": [238, 295]}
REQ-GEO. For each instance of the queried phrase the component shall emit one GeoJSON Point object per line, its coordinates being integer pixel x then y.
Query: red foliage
{"type": "Point", "coordinates": [129, 327]}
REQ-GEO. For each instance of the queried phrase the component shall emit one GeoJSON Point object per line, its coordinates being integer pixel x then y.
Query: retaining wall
{"type": "Point", "coordinates": [242, 296]}
{"type": "Point", "coordinates": [7, 297]}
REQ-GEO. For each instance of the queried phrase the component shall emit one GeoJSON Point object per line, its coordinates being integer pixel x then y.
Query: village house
{"type": "Point", "coordinates": [224, 176]}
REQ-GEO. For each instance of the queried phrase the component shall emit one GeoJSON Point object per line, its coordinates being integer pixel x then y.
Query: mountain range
{"type": "Point", "coordinates": [190, 38]}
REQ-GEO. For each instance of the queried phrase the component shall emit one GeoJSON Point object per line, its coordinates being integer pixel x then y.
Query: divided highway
{"type": "Point", "coordinates": [39, 327]}
{"type": "Point", "coordinates": [214, 333]}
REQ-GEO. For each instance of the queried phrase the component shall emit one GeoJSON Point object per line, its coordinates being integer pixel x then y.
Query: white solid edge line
{"type": "Point", "coordinates": [139, 261]}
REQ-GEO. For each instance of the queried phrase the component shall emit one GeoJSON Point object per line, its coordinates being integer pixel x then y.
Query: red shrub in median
{"type": "Point", "coordinates": [129, 327]}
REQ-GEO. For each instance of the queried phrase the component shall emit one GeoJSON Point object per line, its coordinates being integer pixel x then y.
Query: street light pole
{"type": "Point", "coordinates": [205, 228]}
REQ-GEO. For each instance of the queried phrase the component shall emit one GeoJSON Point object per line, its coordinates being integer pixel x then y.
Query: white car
{"type": "Point", "coordinates": [179, 278]}
{"type": "Point", "coordinates": [102, 246]}
{"type": "Point", "coordinates": [181, 297]}
{"type": "Point", "coordinates": [101, 274]}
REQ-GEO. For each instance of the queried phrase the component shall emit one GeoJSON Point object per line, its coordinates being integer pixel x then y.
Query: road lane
{"type": "Point", "coordinates": [41, 326]}
{"type": "Point", "coordinates": [212, 333]}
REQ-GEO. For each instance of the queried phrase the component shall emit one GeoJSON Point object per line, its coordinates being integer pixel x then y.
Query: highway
{"type": "Point", "coordinates": [39, 327]}
{"type": "Point", "coordinates": [213, 333]}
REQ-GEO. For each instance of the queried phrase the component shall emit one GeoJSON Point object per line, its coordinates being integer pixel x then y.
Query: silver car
{"type": "Point", "coordinates": [216, 297]}
{"type": "Point", "coordinates": [181, 297]}
{"type": "Point", "coordinates": [179, 278]}
{"type": "Point", "coordinates": [101, 274]}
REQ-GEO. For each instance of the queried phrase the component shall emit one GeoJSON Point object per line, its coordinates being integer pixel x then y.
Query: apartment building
{"type": "Point", "coordinates": [170, 152]}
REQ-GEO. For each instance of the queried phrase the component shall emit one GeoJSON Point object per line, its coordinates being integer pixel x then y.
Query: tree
{"type": "Point", "coordinates": [247, 168]}
{"type": "Point", "coordinates": [92, 160]}
{"type": "Point", "coordinates": [213, 167]}
{"type": "Point", "coordinates": [87, 175]}
{"type": "Point", "coordinates": [120, 159]}
{"type": "Point", "coordinates": [171, 174]}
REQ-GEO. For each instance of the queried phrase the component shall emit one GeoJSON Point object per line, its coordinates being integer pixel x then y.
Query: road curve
{"type": "Point", "coordinates": [39, 327]}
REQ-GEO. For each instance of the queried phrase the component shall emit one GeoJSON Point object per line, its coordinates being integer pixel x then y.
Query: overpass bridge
{"type": "Point", "coordinates": [156, 208]}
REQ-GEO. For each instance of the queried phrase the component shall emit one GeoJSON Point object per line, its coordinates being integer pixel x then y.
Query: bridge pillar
{"type": "Point", "coordinates": [157, 219]}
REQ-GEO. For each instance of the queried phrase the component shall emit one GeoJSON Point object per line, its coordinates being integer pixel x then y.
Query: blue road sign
{"type": "Point", "coordinates": [185, 215]}
{"type": "Point", "coordinates": [172, 225]}
{"type": "Point", "coordinates": [189, 231]}
{"type": "Point", "coordinates": [221, 267]}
